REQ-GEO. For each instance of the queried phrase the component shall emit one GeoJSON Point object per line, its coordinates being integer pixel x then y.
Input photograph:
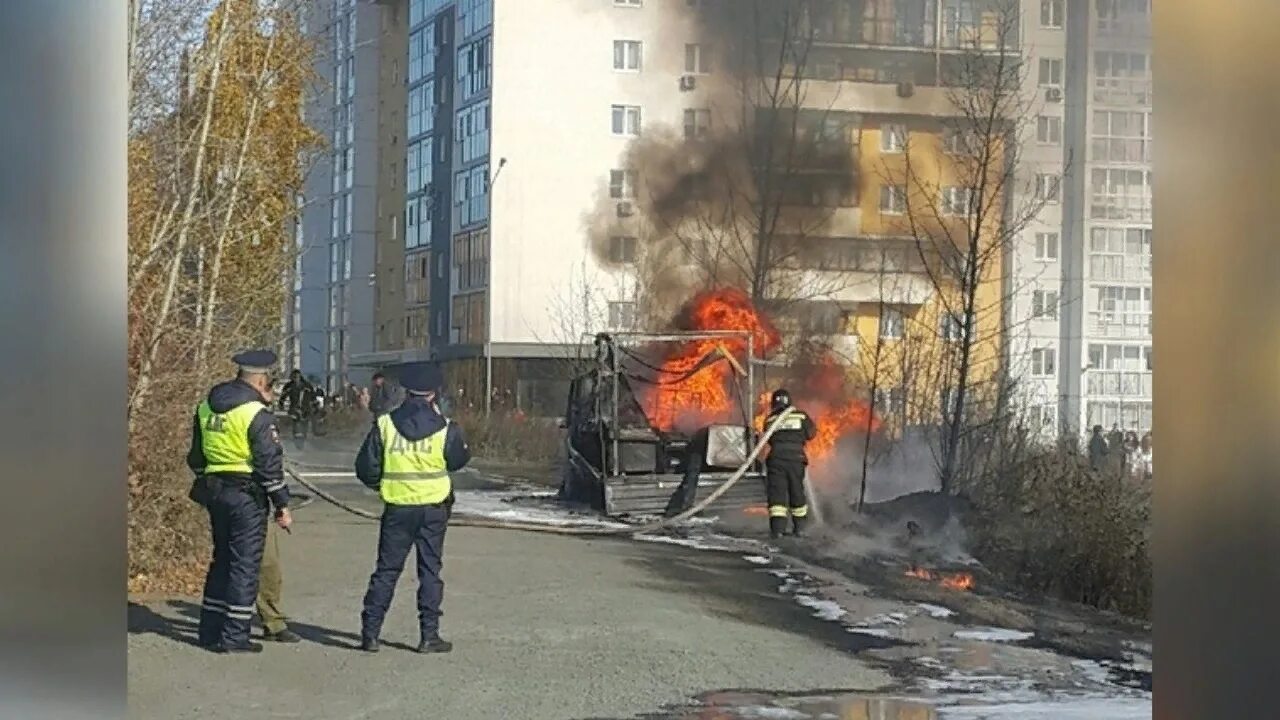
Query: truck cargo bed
{"type": "Point", "coordinates": [649, 494]}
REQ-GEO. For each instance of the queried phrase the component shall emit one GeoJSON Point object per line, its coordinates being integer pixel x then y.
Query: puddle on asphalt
{"type": "Point", "coordinates": [735, 705]}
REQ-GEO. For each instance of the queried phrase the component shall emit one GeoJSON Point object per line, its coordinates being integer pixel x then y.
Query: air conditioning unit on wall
{"type": "Point", "coordinates": [625, 209]}
{"type": "Point", "coordinates": [1053, 94]}
{"type": "Point", "coordinates": [906, 89]}
{"type": "Point", "coordinates": [688, 82]}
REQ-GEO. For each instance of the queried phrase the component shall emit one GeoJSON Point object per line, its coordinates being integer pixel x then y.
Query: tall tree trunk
{"type": "Point", "coordinates": [144, 379]}
{"type": "Point", "coordinates": [215, 271]}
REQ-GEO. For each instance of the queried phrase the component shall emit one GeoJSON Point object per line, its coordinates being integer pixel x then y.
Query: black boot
{"type": "Point", "coordinates": [777, 527]}
{"type": "Point", "coordinates": [434, 645]}
{"type": "Point", "coordinates": [369, 645]}
{"type": "Point", "coordinates": [799, 523]}
{"type": "Point", "coordinates": [284, 636]}
{"type": "Point", "coordinates": [245, 647]}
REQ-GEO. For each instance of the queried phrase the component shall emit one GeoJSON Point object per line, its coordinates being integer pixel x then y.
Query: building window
{"type": "Point", "coordinates": [1121, 78]}
{"type": "Point", "coordinates": [622, 315]}
{"type": "Point", "coordinates": [622, 184]}
{"type": "Point", "coordinates": [622, 249]}
{"type": "Point", "coordinates": [1044, 362]}
{"type": "Point", "coordinates": [1048, 188]}
{"type": "Point", "coordinates": [696, 61]}
{"type": "Point", "coordinates": [472, 132]}
{"type": "Point", "coordinates": [1120, 194]}
{"type": "Point", "coordinates": [951, 328]}
{"type": "Point", "coordinates": [697, 123]}
{"type": "Point", "coordinates": [892, 323]}
{"type": "Point", "coordinates": [1120, 254]}
{"type": "Point", "coordinates": [473, 69]}
{"type": "Point", "coordinates": [1133, 358]}
{"type": "Point", "coordinates": [417, 278]}
{"type": "Point", "coordinates": [1051, 72]}
{"type": "Point", "coordinates": [960, 142]}
{"type": "Point", "coordinates": [1049, 130]}
{"type": "Point", "coordinates": [1042, 419]}
{"type": "Point", "coordinates": [893, 199]}
{"type": "Point", "coordinates": [1044, 304]}
{"type": "Point", "coordinates": [893, 137]}
{"type": "Point", "coordinates": [1121, 136]}
{"type": "Point", "coordinates": [626, 119]}
{"type": "Point", "coordinates": [471, 259]}
{"type": "Point", "coordinates": [892, 401]}
{"type": "Point", "coordinates": [958, 201]}
{"type": "Point", "coordinates": [626, 55]}
{"type": "Point", "coordinates": [1051, 14]}
{"type": "Point", "coordinates": [1047, 246]}
{"type": "Point", "coordinates": [471, 195]}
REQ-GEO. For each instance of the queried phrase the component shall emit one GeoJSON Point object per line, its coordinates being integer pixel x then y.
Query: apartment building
{"type": "Point", "coordinates": [498, 131]}
{"type": "Point", "coordinates": [1107, 367]}
{"type": "Point", "coordinates": [333, 318]}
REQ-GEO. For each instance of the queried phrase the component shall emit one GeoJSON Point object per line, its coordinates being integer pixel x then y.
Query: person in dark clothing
{"type": "Point", "coordinates": [297, 397]}
{"type": "Point", "coordinates": [407, 457]}
{"type": "Point", "coordinates": [383, 397]}
{"type": "Point", "coordinates": [785, 467]}
{"type": "Point", "coordinates": [239, 465]}
{"type": "Point", "coordinates": [1097, 450]}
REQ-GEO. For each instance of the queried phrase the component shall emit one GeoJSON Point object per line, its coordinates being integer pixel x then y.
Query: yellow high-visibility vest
{"type": "Point", "coordinates": [224, 437]}
{"type": "Point", "coordinates": [794, 421]}
{"type": "Point", "coordinates": [413, 472]}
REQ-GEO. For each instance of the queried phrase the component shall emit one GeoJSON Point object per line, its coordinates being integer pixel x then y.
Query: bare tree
{"type": "Point", "coordinates": [967, 218]}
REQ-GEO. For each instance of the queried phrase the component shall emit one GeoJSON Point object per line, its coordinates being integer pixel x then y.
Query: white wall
{"type": "Point", "coordinates": [553, 84]}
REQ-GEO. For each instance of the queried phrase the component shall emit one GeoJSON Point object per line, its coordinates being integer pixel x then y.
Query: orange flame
{"type": "Point", "coordinates": [951, 581]}
{"type": "Point", "coordinates": [706, 396]}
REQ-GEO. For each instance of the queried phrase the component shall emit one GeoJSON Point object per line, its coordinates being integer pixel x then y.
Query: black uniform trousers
{"type": "Point", "coordinates": [239, 523]}
{"type": "Point", "coordinates": [402, 527]}
{"type": "Point", "coordinates": [784, 488]}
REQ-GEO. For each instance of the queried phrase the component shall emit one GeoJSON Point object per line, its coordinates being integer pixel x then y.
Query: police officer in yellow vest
{"type": "Point", "coordinates": [239, 465]}
{"type": "Point", "coordinates": [407, 457]}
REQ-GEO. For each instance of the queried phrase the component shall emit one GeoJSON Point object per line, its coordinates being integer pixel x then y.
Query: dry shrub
{"type": "Point", "coordinates": [169, 542]}
{"type": "Point", "coordinates": [512, 436]}
{"type": "Point", "coordinates": [1049, 523]}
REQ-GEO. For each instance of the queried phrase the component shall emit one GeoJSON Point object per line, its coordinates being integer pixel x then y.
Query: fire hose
{"type": "Point", "coordinates": [479, 521]}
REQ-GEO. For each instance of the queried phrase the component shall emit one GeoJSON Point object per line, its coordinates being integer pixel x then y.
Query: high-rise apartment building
{"type": "Point", "coordinates": [485, 179]}
{"type": "Point", "coordinates": [334, 319]}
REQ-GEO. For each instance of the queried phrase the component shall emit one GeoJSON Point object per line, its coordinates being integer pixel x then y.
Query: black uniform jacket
{"type": "Point", "coordinates": [787, 445]}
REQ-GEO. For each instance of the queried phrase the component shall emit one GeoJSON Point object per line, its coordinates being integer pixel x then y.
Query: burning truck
{"type": "Point", "coordinates": [657, 419]}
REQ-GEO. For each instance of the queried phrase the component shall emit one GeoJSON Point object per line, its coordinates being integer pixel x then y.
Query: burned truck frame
{"type": "Point", "coordinates": [620, 463]}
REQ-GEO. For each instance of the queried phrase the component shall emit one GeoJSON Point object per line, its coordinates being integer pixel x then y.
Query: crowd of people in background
{"type": "Point", "coordinates": [1121, 451]}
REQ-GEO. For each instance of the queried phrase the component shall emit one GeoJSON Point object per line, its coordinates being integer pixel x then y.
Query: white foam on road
{"type": "Point", "coordinates": [757, 559]}
{"type": "Point", "coordinates": [824, 609]}
{"type": "Point", "coordinates": [991, 634]}
{"type": "Point", "coordinates": [936, 611]}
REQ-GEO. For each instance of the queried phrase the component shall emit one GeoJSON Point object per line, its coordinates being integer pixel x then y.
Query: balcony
{"type": "Point", "coordinates": [1119, 325]}
{"type": "Point", "coordinates": [1127, 384]}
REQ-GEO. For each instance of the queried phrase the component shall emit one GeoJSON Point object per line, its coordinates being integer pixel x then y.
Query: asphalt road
{"type": "Point", "coordinates": [544, 626]}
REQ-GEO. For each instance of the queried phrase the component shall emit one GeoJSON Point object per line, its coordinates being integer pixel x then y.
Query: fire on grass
{"type": "Point", "coordinates": [951, 581]}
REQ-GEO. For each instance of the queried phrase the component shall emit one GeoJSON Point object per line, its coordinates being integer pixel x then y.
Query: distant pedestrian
{"type": "Point", "coordinates": [1097, 450]}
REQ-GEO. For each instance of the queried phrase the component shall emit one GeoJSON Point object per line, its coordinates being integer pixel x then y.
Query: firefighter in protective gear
{"type": "Point", "coordinates": [407, 457]}
{"type": "Point", "coordinates": [239, 465]}
{"type": "Point", "coordinates": [785, 467]}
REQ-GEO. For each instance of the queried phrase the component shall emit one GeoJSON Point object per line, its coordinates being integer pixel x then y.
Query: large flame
{"type": "Point", "coordinates": [705, 397]}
